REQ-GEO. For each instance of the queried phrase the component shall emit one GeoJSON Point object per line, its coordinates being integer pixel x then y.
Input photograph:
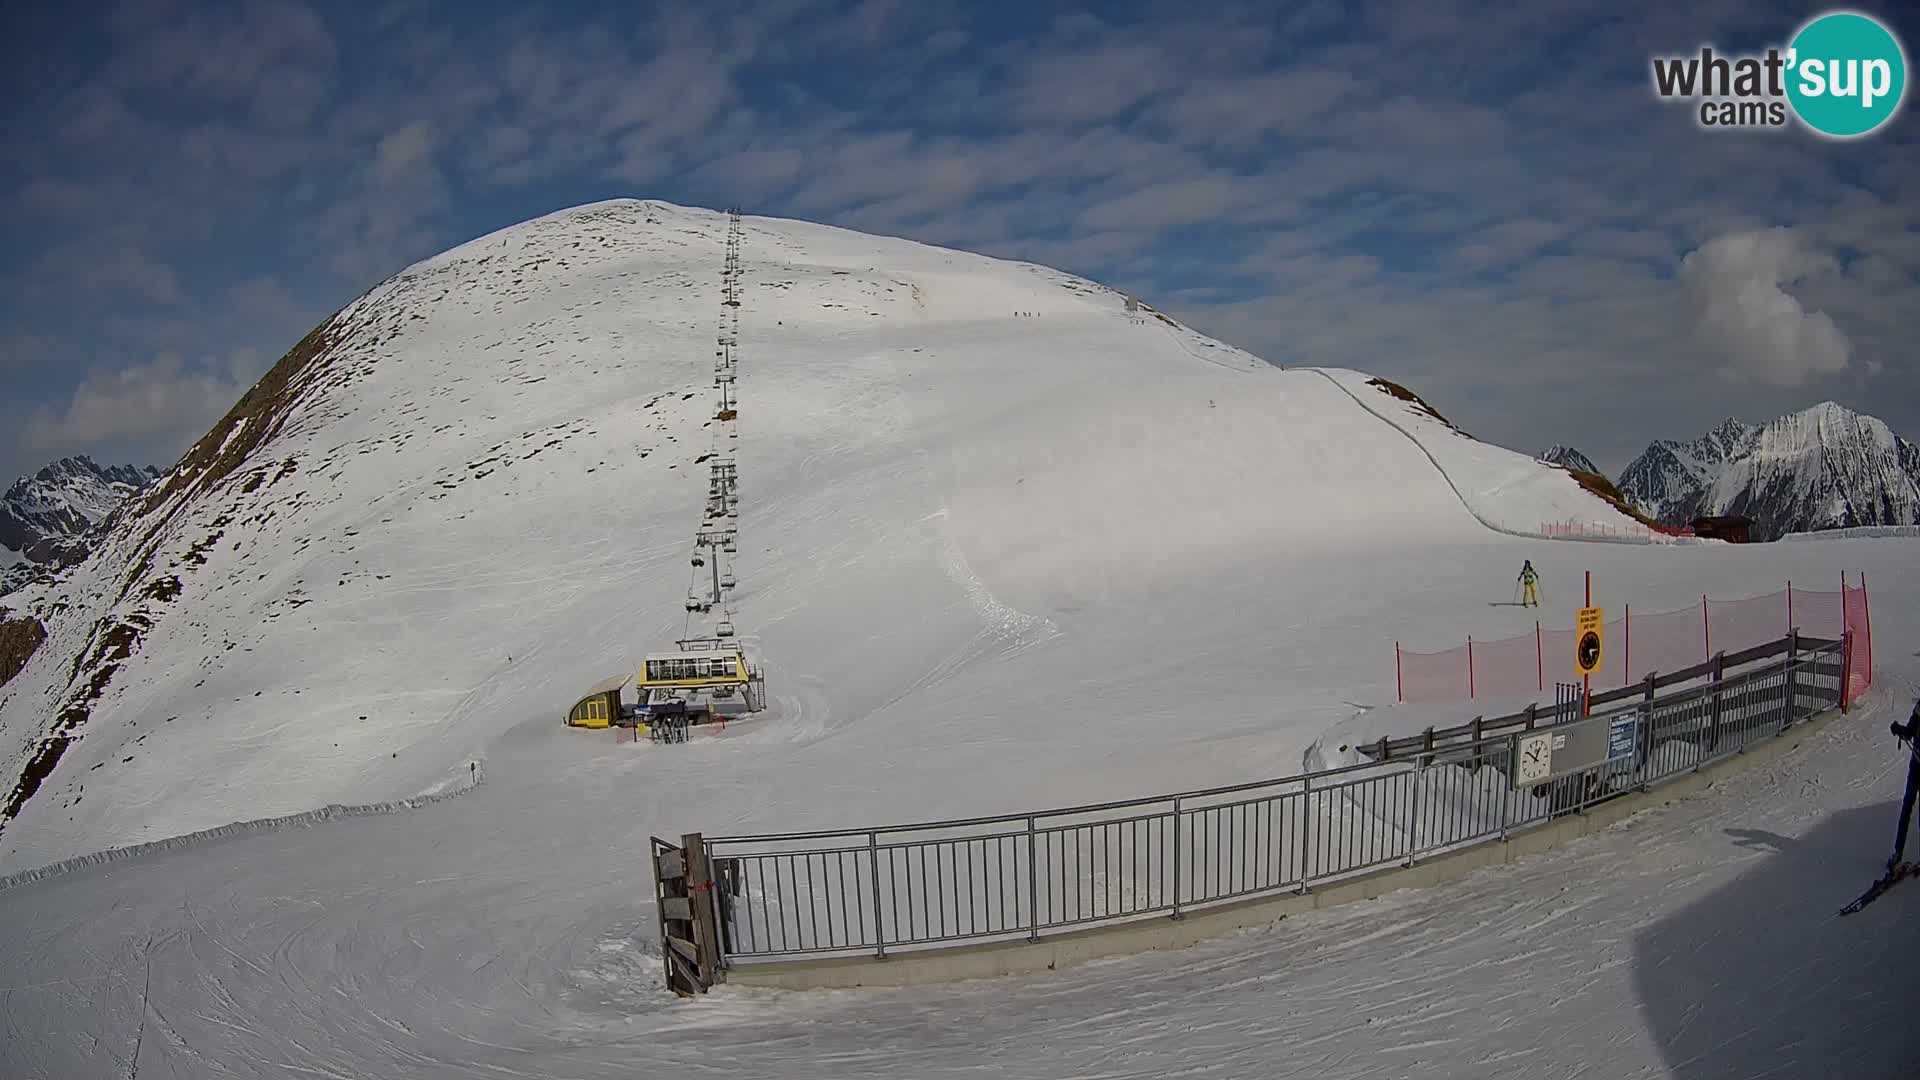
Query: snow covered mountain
{"type": "Point", "coordinates": [973, 493]}
{"type": "Point", "coordinates": [45, 518]}
{"type": "Point", "coordinates": [1821, 468]}
{"type": "Point", "coordinates": [1571, 458]}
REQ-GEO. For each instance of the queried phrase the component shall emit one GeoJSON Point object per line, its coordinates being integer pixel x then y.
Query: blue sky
{"type": "Point", "coordinates": [1484, 201]}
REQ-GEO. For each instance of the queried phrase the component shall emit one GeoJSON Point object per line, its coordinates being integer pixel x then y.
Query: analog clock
{"type": "Point", "coordinates": [1533, 758]}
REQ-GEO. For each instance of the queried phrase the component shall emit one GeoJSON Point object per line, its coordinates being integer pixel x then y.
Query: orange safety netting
{"type": "Point", "coordinates": [1640, 644]}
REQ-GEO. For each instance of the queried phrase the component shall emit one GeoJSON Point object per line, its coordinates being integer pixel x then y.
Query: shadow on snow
{"type": "Point", "coordinates": [1762, 977]}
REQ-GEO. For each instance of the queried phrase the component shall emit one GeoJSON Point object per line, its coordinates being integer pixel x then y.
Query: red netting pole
{"type": "Point", "coordinates": [1866, 613]}
{"type": "Point", "coordinates": [1399, 687]}
{"type": "Point", "coordinates": [1539, 662]}
{"type": "Point", "coordinates": [1789, 605]}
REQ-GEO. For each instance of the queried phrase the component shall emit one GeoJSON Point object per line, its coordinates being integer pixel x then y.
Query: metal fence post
{"type": "Point", "coordinates": [1033, 883]}
{"type": "Point", "coordinates": [1846, 669]}
{"type": "Point", "coordinates": [1647, 728]}
{"type": "Point", "coordinates": [1413, 804]}
{"type": "Point", "coordinates": [1713, 727]}
{"type": "Point", "coordinates": [1306, 835]}
{"type": "Point", "coordinates": [873, 868]}
{"type": "Point", "coordinates": [1176, 858]}
{"type": "Point", "coordinates": [1512, 744]}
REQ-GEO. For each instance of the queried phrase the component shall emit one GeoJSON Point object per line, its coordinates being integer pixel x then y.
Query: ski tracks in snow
{"type": "Point", "coordinates": [1004, 632]}
{"type": "Point", "coordinates": [1019, 630]}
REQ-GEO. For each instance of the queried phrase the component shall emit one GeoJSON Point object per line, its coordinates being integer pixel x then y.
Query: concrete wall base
{"type": "Point", "coordinates": [1066, 949]}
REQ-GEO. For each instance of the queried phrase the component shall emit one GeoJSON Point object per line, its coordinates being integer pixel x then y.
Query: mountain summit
{"type": "Point", "coordinates": [1823, 467]}
{"type": "Point", "coordinates": [1571, 458]}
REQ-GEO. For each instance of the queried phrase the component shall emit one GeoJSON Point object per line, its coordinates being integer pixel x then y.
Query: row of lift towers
{"type": "Point", "coordinates": [708, 677]}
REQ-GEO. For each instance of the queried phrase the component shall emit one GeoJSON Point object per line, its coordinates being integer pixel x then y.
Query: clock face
{"type": "Point", "coordinates": [1533, 758]}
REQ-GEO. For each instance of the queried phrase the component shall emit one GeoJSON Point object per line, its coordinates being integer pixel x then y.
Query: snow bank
{"type": "Point", "coordinates": [1857, 532]}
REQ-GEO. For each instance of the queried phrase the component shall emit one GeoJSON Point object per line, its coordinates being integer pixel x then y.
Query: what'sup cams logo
{"type": "Point", "coordinates": [1843, 75]}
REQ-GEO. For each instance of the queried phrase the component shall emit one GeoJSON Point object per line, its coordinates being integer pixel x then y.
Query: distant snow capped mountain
{"type": "Point", "coordinates": [44, 518]}
{"type": "Point", "coordinates": [1571, 458]}
{"type": "Point", "coordinates": [1670, 479]}
{"type": "Point", "coordinates": [1825, 467]}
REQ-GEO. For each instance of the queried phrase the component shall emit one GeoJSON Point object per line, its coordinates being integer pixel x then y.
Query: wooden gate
{"type": "Point", "coordinates": [689, 923]}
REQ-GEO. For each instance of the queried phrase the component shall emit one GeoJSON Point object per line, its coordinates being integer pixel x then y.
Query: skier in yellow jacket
{"type": "Point", "coordinates": [1530, 582]}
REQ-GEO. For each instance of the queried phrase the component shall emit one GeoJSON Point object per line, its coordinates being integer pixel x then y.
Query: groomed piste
{"type": "Point", "coordinates": [1009, 547]}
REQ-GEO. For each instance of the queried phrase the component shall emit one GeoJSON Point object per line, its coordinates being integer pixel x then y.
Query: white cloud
{"type": "Point", "coordinates": [75, 202]}
{"type": "Point", "coordinates": [110, 264]}
{"type": "Point", "coordinates": [164, 397]}
{"type": "Point", "coordinates": [264, 302]}
{"type": "Point", "coordinates": [291, 99]}
{"type": "Point", "coordinates": [1246, 107]}
{"type": "Point", "coordinates": [404, 154]}
{"type": "Point", "coordinates": [95, 115]}
{"type": "Point", "coordinates": [1748, 320]}
{"type": "Point", "coordinates": [227, 54]}
{"type": "Point", "coordinates": [1193, 200]}
{"type": "Point", "coordinates": [1510, 241]}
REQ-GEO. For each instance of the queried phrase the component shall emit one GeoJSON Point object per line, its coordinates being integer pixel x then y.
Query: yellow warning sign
{"type": "Point", "coordinates": [1589, 640]}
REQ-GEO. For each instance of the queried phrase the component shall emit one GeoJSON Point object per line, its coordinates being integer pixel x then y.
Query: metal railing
{"type": "Point", "coordinates": [1486, 727]}
{"type": "Point", "coordinates": [938, 884]}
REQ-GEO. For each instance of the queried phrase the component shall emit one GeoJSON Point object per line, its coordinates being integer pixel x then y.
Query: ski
{"type": "Point", "coordinates": [1877, 889]}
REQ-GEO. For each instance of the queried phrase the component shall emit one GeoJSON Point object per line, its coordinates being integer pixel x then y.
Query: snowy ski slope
{"type": "Point", "coordinates": [483, 500]}
{"type": "Point", "coordinates": [1499, 487]}
{"type": "Point", "coordinates": [993, 561]}
{"type": "Point", "coordinates": [469, 938]}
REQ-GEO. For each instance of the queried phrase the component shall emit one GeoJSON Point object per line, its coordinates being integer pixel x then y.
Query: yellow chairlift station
{"type": "Point", "coordinates": [693, 670]}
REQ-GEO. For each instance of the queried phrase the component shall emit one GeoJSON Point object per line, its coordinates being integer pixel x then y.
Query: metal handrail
{"type": "Point", "coordinates": [1018, 875]}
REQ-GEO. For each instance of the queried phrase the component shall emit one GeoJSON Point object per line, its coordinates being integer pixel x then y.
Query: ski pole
{"type": "Point", "coordinates": [1908, 734]}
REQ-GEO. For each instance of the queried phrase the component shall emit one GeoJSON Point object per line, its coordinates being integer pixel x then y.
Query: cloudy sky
{"type": "Point", "coordinates": [1484, 201]}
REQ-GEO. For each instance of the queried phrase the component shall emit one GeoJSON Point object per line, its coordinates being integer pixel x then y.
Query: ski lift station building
{"type": "Point", "coordinates": [713, 681]}
{"type": "Point", "coordinates": [601, 707]}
